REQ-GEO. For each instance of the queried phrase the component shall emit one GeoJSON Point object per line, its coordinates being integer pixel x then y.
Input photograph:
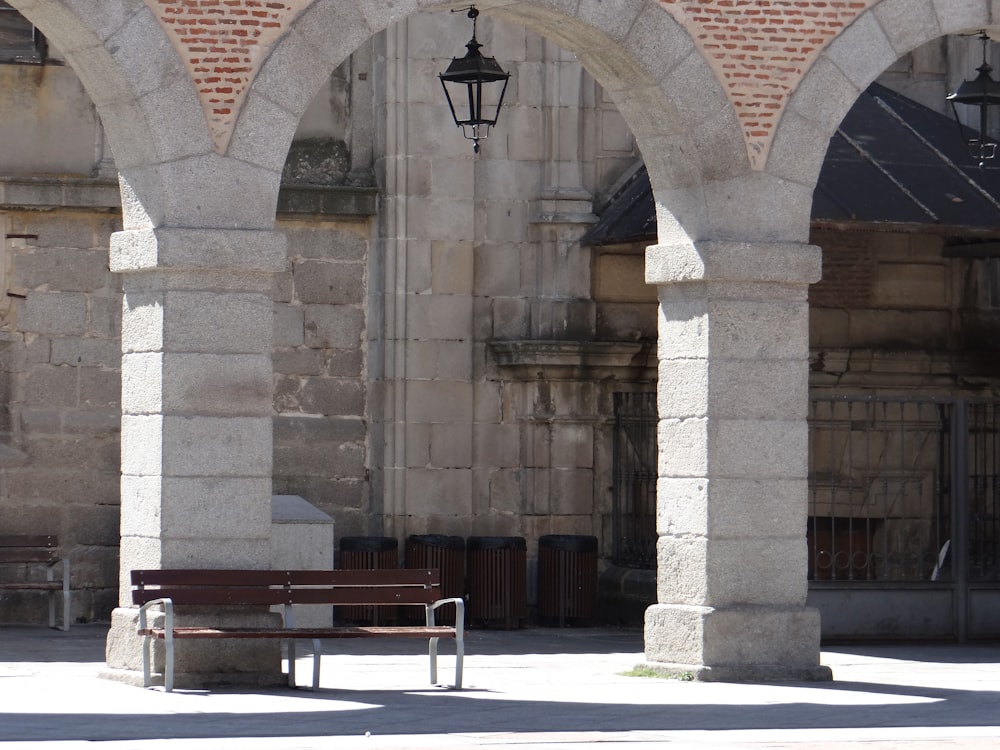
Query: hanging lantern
{"type": "Point", "coordinates": [474, 86]}
{"type": "Point", "coordinates": [983, 92]}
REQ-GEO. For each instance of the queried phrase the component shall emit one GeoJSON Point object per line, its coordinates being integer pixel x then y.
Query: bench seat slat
{"type": "Point", "coordinates": [28, 555]}
{"type": "Point", "coordinates": [36, 586]}
{"type": "Point", "coordinates": [250, 578]}
{"type": "Point", "coordinates": [218, 596]}
{"type": "Point", "coordinates": [413, 631]}
{"type": "Point", "coordinates": [28, 540]}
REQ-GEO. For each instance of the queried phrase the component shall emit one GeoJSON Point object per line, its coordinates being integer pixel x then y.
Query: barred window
{"type": "Point", "coordinates": [20, 42]}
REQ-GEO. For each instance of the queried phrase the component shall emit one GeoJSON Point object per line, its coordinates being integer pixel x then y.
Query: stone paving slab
{"type": "Point", "coordinates": [534, 689]}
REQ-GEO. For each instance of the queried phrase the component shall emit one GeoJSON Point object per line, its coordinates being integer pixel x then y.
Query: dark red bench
{"type": "Point", "coordinates": [30, 550]}
{"type": "Point", "coordinates": [169, 588]}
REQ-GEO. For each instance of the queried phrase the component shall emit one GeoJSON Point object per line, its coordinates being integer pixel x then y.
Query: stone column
{"type": "Point", "coordinates": [196, 424]}
{"type": "Point", "coordinates": [733, 448]}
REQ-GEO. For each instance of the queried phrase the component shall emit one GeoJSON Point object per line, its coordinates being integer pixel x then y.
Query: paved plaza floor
{"type": "Point", "coordinates": [531, 689]}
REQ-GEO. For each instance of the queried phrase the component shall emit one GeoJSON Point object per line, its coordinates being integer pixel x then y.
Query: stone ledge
{"type": "Point", "coordinates": [575, 360]}
{"type": "Point", "coordinates": [102, 194]}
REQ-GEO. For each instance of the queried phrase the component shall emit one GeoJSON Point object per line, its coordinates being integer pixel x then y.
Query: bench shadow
{"type": "Point", "coordinates": [451, 712]}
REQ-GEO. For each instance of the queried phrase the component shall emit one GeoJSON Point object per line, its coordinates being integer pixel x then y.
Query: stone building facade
{"type": "Point", "coordinates": [329, 295]}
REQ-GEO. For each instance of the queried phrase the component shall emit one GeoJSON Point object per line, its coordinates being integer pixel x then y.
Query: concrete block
{"type": "Point", "coordinates": [738, 644]}
{"type": "Point", "coordinates": [862, 51]}
{"type": "Point", "coordinates": [217, 322]}
{"type": "Point", "coordinates": [759, 449]}
{"type": "Point", "coordinates": [572, 446]}
{"type": "Point", "coordinates": [440, 317]}
{"type": "Point", "coordinates": [321, 395]}
{"type": "Point", "coordinates": [683, 387]}
{"type": "Point", "coordinates": [328, 242]}
{"type": "Point", "coordinates": [322, 460]}
{"type": "Point", "coordinates": [226, 384]}
{"type": "Point", "coordinates": [658, 41]}
{"type": "Point", "coordinates": [345, 363]}
{"type": "Point", "coordinates": [211, 508]}
{"type": "Point", "coordinates": [300, 362]}
{"type": "Point", "coordinates": [758, 329]}
{"type": "Point", "coordinates": [682, 506]}
{"type": "Point", "coordinates": [302, 538]}
{"type": "Point", "coordinates": [511, 318]}
{"type": "Point", "coordinates": [60, 268]}
{"type": "Point", "coordinates": [197, 446]}
{"type": "Point", "coordinates": [338, 327]}
{"type": "Point", "coordinates": [86, 352]}
{"type": "Point", "coordinates": [262, 115]}
{"type": "Point", "coordinates": [967, 16]}
{"type": "Point", "coordinates": [761, 508]}
{"type": "Point", "coordinates": [51, 387]}
{"type": "Point", "coordinates": [496, 445]}
{"type": "Point", "coordinates": [451, 446]}
{"type": "Point", "coordinates": [907, 24]}
{"type": "Point", "coordinates": [430, 490]}
{"type": "Point", "coordinates": [99, 389]}
{"type": "Point", "coordinates": [497, 269]}
{"type": "Point", "coordinates": [689, 454]}
{"type": "Point", "coordinates": [504, 494]}
{"type": "Point", "coordinates": [54, 313]}
{"type": "Point", "coordinates": [451, 264]}
{"type": "Point", "coordinates": [439, 401]}
{"type": "Point", "coordinates": [289, 325]}
{"type": "Point", "coordinates": [320, 282]}
{"type": "Point", "coordinates": [105, 318]}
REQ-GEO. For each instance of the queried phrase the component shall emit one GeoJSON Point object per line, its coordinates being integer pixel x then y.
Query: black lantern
{"type": "Point", "coordinates": [984, 93]}
{"type": "Point", "coordinates": [474, 81]}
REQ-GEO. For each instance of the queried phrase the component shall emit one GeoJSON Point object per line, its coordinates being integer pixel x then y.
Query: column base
{"type": "Point", "coordinates": [735, 644]}
{"type": "Point", "coordinates": [197, 663]}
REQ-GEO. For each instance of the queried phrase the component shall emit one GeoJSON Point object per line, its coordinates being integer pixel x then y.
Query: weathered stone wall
{"type": "Point", "coordinates": [895, 313]}
{"type": "Point", "coordinates": [320, 431]}
{"type": "Point", "coordinates": [60, 367]}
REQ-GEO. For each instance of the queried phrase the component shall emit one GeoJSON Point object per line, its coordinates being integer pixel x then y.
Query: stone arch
{"type": "Point", "coordinates": [880, 35]}
{"type": "Point", "coordinates": [674, 104]}
{"type": "Point", "coordinates": [151, 113]}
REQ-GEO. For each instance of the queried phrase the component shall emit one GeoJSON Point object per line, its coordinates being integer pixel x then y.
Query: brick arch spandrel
{"type": "Point", "coordinates": [223, 44]}
{"type": "Point", "coordinates": [844, 68]}
{"type": "Point", "coordinates": [760, 50]}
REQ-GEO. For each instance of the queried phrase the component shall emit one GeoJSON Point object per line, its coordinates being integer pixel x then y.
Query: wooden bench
{"type": "Point", "coordinates": [38, 549]}
{"type": "Point", "coordinates": [166, 589]}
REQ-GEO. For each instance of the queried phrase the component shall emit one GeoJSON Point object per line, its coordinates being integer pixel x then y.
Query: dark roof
{"type": "Point", "coordinates": [892, 161]}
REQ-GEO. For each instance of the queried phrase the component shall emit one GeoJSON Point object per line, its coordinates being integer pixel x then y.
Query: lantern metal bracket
{"type": "Point", "coordinates": [471, 75]}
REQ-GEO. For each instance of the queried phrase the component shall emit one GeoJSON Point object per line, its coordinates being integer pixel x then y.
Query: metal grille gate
{"type": "Point", "coordinates": [634, 487]}
{"type": "Point", "coordinates": [904, 516]}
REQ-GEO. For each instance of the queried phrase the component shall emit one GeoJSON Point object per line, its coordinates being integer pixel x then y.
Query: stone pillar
{"type": "Point", "coordinates": [196, 425]}
{"type": "Point", "coordinates": [733, 448]}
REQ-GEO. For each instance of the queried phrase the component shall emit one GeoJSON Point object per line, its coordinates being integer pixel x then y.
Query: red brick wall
{"type": "Point", "coordinates": [760, 49]}
{"type": "Point", "coordinates": [223, 43]}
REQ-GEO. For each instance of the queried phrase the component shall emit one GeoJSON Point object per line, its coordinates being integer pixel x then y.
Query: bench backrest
{"type": "Point", "coordinates": [220, 587]}
{"type": "Point", "coordinates": [28, 548]}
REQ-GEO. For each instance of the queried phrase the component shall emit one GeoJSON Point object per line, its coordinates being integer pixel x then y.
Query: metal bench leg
{"type": "Point", "coordinates": [317, 653]}
{"type": "Point", "coordinates": [432, 650]}
{"type": "Point", "coordinates": [459, 641]}
{"type": "Point", "coordinates": [52, 597]}
{"type": "Point", "coordinates": [146, 645]}
{"type": "Point", "coordinates": [67, 609]}
{"type": "Point", "coordinates": [291, 662]}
